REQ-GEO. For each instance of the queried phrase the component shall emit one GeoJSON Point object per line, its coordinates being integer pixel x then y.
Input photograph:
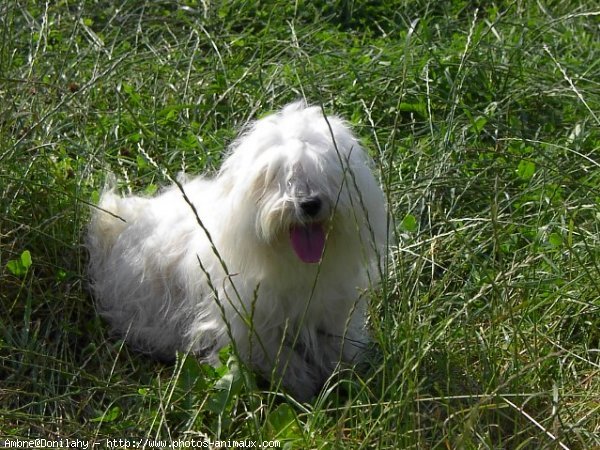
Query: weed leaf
{"type": "Point", "coordinates": [19, 267]}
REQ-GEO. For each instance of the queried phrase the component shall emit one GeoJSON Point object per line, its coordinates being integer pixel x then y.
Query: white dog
{"type": "Point", "coordinates": [274, 254]}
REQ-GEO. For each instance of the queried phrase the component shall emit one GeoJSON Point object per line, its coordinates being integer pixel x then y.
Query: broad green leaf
{"type": "Point", "coordinates": [526, 169]}
{"type": "Point", "coordinates": [283, 423]}
{"type": "Point", "coordinates": [19, 267]}
{"type": "Point", "coordinates": [409, 223]}
{"type": "Point", "coordinates": [555, 239]}
{"type": "Point", "coordinates": [26, 259]}
{"type": "Point", "coordinates": [110, 416]}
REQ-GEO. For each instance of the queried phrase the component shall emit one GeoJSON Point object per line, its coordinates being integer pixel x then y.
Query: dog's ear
{"type": "Point", "coordinates": [251, 183]}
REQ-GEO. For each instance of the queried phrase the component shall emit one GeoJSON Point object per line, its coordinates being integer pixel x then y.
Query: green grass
{"type": "Point", "coordinates": [485, 127]}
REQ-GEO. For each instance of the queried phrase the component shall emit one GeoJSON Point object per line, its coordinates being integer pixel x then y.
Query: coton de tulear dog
{"type": "Point", "coordinates": [275, 254]}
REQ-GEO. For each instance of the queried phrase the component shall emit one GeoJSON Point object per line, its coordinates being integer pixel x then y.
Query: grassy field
{"type": "Point", "coordinates": [485, 126]}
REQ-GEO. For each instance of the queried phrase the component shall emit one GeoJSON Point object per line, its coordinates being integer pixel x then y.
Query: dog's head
{"type": "Point", "coordinates": [302, 177]}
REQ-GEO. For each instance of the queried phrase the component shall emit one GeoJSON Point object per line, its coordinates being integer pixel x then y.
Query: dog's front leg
{"type": "Point", "coordinates": [301, 376]}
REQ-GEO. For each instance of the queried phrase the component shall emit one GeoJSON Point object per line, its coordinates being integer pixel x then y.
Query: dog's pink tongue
{"type": "Point", "coordinates": [308, 242]}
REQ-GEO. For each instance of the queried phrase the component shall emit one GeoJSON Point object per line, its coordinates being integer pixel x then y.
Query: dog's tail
{"type": "Point", "coordinates": [110, 218]}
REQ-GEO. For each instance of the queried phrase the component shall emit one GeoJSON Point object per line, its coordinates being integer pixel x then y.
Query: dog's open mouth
{"type": "Point", "coordinates": [308, 241]}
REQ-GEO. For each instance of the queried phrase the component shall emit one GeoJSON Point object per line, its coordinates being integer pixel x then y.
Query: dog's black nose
{"type": "Point", "coordinates": [311, 206]}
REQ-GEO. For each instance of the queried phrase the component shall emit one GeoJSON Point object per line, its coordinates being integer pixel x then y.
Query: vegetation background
{"type": "Point", "coordinates": [483, 119]}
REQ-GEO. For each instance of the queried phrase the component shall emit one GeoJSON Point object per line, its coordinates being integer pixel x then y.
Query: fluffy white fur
{"type": "Point", "coordinates": [224, 262]}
